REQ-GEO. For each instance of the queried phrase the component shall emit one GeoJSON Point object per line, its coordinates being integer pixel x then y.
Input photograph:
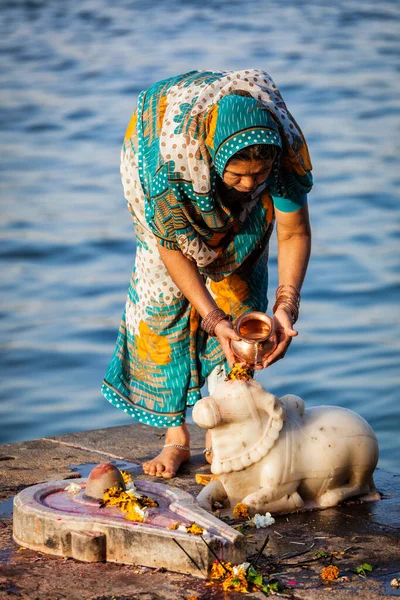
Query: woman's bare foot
{"type": "Point", "coordinates": [208, 456]}
{"type": "Point", "coordinates": [167, 463]}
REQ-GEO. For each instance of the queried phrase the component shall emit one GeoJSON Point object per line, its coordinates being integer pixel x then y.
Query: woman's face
{"type": "Point", "coordinates": [246, 176]}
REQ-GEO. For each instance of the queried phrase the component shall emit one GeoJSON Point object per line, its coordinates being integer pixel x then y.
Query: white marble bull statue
{"type": "Point", "coordinates": [276, 456]}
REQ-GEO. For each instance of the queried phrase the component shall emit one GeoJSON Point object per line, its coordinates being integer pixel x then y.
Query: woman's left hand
{"type": "Point", "coordinates": [284, 332]}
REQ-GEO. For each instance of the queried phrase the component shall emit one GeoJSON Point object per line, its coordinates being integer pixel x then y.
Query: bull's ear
{"type": "Point", "coordinates": [270, 404]}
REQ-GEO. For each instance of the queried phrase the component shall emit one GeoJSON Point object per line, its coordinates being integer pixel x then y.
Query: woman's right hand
{"type": "Point", "coordinates": [224, 332]}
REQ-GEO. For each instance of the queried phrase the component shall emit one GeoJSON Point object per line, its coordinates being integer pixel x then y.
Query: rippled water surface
{"type": "Point", "coordinates": [70, 74]}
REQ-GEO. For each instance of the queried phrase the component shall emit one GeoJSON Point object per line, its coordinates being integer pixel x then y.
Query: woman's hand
{"type": "Point", "coordinates": [284, 332]}
{"type": "Point", "coordinates": [224, 332]}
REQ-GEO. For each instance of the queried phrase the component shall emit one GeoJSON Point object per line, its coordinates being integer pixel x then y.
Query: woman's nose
{"type": "Point", "coordinates": [248, 182]}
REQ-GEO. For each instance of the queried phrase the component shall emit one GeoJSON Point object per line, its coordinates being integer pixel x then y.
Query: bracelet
{"type": "Point", "coordinates": [211, 320]}
{"type": "Point", "coordinates": [289, 300]}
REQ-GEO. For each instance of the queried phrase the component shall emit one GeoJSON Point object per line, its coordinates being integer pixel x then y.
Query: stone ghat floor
{"type": "Point", "coordinates": [365, 533]}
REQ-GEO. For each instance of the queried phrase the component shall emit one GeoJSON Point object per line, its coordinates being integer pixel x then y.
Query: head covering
{"type": "Point", "coordinates": [187, 128]}
{"type": "Point", "coordinates": [237, 122]}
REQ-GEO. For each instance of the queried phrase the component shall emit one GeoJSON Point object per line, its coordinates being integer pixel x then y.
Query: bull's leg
{"type": "Point", "coordinates": [274, 501]}
{"type": "Point", "coordinates": [212, 492]}
{"type": "Point", "coordinates": [337, 495]}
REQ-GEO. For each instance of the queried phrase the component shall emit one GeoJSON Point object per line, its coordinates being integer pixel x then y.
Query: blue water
{"type": "Point", "coordinates": [70, 74]}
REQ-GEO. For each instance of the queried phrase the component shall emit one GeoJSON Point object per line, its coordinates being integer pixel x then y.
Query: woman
{"type": "Point", "coordinates": [209, 160]}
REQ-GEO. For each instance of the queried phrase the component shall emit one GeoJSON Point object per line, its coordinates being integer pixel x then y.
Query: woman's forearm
{"type": "Point", "coordinates": [293, 257]}
{"type": "Point", "coordinates": [186, 276]}
{"type": "Point", "coordinates": [294, 247]}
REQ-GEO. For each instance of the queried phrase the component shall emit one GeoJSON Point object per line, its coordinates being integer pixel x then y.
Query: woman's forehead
{"type": "Point", "coordinates": [247, 167]}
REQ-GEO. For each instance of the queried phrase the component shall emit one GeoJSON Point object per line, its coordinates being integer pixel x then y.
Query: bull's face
{"type": "Point", "coordinates": [229, 404]}
{"type": "Point", "coordinates": [206, 413]}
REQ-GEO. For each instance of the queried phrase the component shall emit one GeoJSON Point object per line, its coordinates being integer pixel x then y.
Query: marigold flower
{"type": "Point", "coordinates": [128, 503]}
{"type": "Point", "coordinates": [239, 372]}
{"type": "Point", "coordinates": [220, 569]}
{"type": "Point", "coordinates": [127, 477]}
{"type": "Point", "coordinates": [135, 513]}
{"type": "Point", "coordinates": [205, 478]}
{"type": "Point", "coordinates": [241, 511]}
{"type": "Point", "coordinates": [330, 573]}
{"type": "Point", "coordinates": [195, 529]}
{"type": "Point", "coordinates": [237, 583]}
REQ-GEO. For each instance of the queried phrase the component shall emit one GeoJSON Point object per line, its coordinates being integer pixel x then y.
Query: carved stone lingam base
{"type": "Point", "coordinates": [49, 519]}
{"type": "Point", "coordinates": [276, 456]}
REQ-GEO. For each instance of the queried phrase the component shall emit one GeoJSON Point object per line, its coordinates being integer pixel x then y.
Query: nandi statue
{"type": "Point", "coordinates": [274, 455]}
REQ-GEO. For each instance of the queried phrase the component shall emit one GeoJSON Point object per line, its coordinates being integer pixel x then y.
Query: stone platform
{"type": "Point", "coordinates": [350, 535]}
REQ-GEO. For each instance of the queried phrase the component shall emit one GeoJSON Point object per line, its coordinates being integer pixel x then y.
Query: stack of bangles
{"type": "Point", "coordinates": [211, 320]}
{"type": "Point", "coordinates": [288, 298]}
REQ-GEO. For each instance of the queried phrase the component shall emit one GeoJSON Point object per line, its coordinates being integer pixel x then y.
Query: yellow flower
{"type": "Point", "coordinates": [205, 478]}
{"type": "Point", "coordinates": [153, 347]}
{"type": "Point", "coordinates": [195, 529]}
{"type": "Point", "coordinates": [135, 513]}
{"type": "Point", "coordinates": [128, 503]}
{"type": "Point", "coordinates": [237, 583]}
{"type": "Point", "coordinates": [230, 292]}
{"type": "Point", "coordinates": [239, 372]}
{"type": "Point", "coordinates": [241, 511]}
{"type": "Point", "coordinates": [127, 477]}
{"type": "Point", "coordinates": [330, 573]}
{"type": "Point", "coordinates": [220, 569]}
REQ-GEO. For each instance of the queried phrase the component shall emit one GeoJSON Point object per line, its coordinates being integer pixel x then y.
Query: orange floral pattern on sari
{"type": "Point", "coordinates": [230, 292]}
{"type": "Point", "coordinates": [268, 204]}
{"type": "Point", "coordinates": [151, 346]}
{"type": "Point", "coordinates": [131, 127]}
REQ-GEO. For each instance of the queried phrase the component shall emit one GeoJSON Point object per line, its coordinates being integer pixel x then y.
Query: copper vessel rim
{"type": "Point", "coordinates": [254, 315]}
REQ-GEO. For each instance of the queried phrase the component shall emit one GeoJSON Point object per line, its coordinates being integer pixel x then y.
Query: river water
{"type": "Point", "coordinates": [70, 75]}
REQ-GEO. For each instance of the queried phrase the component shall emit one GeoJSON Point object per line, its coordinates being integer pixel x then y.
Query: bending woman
{"type": "Point", "coordinates": [209, 161]}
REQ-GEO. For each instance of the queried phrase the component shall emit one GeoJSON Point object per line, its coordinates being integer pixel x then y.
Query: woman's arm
{"type": "Point", "coordinates": [294, 247]}
{"type": "Point", "coordinates": [186, 276]}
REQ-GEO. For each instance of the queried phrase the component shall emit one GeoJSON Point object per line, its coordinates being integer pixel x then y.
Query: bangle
{"type": "Point", "coordinates": [211, 320]}
{"type": "Point", "coordinates": [288, 298]}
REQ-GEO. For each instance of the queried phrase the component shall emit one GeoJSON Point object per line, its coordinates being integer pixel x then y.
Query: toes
{"type": "Point", "coordinates": [169, 470]}
{"type": "Point", "coordinates": [159, 471]}
{"type": "Point", "coordinates": [152, 470]}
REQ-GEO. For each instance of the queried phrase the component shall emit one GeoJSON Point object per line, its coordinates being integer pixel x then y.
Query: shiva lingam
{"type": "Point", "coordinates": [276, 456]}
{"type": "Point", "coordinates": [257, 338]}
{"type": "Point", "coordinates": [71, 519]}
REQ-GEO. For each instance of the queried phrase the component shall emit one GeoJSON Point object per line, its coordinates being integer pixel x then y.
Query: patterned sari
{"type": "Point", "coordinates": [177, 144]}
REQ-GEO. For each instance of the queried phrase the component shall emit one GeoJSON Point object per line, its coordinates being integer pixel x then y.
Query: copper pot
{"type": "Point", "coordinates": [257, 338]}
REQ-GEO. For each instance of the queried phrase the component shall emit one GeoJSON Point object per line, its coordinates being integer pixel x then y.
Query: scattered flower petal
{"type": "Point", "coordinates": [73, 488]}
{"type": "Point", "coordinates": [330, 573]}
{"type": "Point", "coordinates": [195, 529]}
{"type": "Point", "coordinates": [262, 521]}
{"type": "Point", "coordinates": [205, 478]}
